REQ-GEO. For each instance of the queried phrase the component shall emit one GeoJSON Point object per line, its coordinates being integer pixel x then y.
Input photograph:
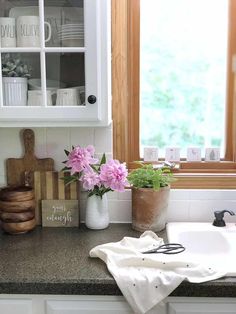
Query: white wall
{"type": "Point", "coordinates": [185, 205]}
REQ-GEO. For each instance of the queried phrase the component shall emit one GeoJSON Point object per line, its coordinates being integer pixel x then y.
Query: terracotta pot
{"type": "Point", "coordinates": [149, 208]}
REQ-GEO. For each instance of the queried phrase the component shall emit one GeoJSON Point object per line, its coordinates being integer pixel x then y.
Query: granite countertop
{"type": "Point", "coordinates": [56, 261]}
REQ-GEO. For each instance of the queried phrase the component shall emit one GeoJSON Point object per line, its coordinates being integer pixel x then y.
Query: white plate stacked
{"type": "Point", "coordinates": [72, 35]}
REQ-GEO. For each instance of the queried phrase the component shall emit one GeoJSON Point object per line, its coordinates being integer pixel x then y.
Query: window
{"type": "Point", "coordinates": [183, 62]}
{"type": "Point", "coordinates": [126, 87]}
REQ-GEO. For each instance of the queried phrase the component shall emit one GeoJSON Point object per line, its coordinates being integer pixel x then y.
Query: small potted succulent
{"type": "Point", "coordinates": [150, 196]}
{"type": "Point", "coordinates": [15, 74]}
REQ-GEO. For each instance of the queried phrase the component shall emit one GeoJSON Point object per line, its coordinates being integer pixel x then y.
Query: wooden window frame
{"type": "Point", "coordinates": [125, 103]}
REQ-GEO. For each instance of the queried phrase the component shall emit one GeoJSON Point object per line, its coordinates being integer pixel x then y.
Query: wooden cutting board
{"type": "Point", "coordinates": [48, 185]}
{"type": "Point", "coordinates": [16, 167]}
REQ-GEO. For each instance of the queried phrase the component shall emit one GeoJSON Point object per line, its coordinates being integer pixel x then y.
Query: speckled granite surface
{"type": "Point", "coordinates": [56, 261]}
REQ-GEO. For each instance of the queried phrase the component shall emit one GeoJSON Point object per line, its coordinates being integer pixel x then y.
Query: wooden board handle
{"type": "Point", "coordinates": [28, 139]}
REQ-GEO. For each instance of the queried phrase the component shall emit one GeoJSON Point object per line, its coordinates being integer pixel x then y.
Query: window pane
{"type": "Point", "coordinates": [183, 73]}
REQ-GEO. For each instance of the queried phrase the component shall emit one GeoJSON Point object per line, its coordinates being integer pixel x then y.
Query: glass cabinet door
{"type": "Point", "coordinates": [57, 53]}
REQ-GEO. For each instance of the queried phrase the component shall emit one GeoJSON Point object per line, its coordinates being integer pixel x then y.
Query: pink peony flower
{"type": "Point", "coordinates": [113, 175]}
{"type": "Point", "coordinates": [80, 159]}
{"type": "Point", "coordinates": [90, 179]}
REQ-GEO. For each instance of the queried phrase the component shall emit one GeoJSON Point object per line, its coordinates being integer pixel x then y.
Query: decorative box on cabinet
{"type": "Point", "coordinates": [76, 62]}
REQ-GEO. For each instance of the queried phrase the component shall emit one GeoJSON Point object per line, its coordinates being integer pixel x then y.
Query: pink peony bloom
{"type": "Point", "coordinates": [113, 175]}
{"type": "Point", "coordinates": [80, 159]}
{"type": "Point", "coordinates": [90, 179]}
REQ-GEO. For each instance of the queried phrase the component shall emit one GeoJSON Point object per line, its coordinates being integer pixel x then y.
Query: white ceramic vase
{"type": "Point", "coordinates": [97, 214]}
{"type": "Point", "coordinates": [14, 91]}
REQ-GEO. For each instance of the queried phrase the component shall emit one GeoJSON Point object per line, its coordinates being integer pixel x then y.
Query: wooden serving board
{"type": "Point", "coordinates": [16, 167]}
{"type": "Point", "coordinates": [49, 185]}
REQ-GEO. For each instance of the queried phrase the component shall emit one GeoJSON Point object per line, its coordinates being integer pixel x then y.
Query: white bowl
{"type": "Point", "coordinates": [35, 84]}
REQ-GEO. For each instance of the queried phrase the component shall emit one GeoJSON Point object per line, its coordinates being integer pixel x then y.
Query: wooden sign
{"type": "Point", "coordinates": [60, 213]}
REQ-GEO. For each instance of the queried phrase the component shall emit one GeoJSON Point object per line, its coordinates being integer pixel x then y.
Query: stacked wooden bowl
{"type": "Point", "coordinates": [17, 209]}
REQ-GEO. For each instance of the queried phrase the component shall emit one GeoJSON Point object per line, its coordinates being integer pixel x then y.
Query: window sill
{"type": "Point", "coordinates": [205, 180]}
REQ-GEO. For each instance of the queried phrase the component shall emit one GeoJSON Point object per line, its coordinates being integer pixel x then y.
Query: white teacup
{"type": "Point", "coordinates": [8, 32]}
{"type": "Point", "coordinates": [35, 98]}
{"type": "Point", "coordinates": [67, 97]}
{"type": "Point", "coordinates": [28, 32]}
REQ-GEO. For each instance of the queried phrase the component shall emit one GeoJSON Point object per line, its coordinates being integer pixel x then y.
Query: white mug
{"type": "Point", "coordinates": [35, 98]}
{"type": "Point", "coordinates": [28, 32]}
{"type": "Point", "coordinates": [67, 97]}
{"type": "Point", "coordinates": [8, 31]}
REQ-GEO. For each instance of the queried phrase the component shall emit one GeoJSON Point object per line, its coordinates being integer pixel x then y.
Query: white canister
{"type": "Point", "coordinates": [8, 31]}
{"type": "Point", "coordinates": [14, 91]}
{"type": "Point", "coordinates": [67, 97]}
{"type": "Point", "coordinates": [35, 98]}
{"type": "Point", "coordinates": [28, 31]}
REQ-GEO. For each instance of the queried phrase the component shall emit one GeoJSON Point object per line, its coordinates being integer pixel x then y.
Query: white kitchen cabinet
{"type": "Point", "coordinates": [201, 306]}
{"type": "Point", "coordinates": [88, 306]}
{"type": "Point", "coordinates": [76, 57]}
{"type": "Point", "coordinates": [15, 306]}
{"type": "Point", "coordinates": [63, 304]}
{"type": "Point", "coordinates": [91, 304]}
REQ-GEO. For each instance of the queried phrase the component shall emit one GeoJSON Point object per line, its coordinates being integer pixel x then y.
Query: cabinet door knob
{"type": "Point", "coordinates": [92, 99]}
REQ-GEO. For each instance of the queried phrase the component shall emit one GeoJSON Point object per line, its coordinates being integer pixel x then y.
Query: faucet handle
{"type": "Point", "coordinates": [219, 215]}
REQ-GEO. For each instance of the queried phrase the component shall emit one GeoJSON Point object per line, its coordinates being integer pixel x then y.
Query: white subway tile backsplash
{"type": "Point", "coordinates": [212, 194]}
{"type": "Point", "coordinates": [120, 211]}
{"type": "Point", "coordinates": [11, 146]}
{"type": "Point", "coordinates": [203, 210]}
{"type": "Point", "coordinates": [40, 140]}
{"type": "Point", "coordinates": [125, 196]}
{"type": "Point", "coordinates": [2, 180]}
{"type": "Point", "coordinates": [178, 210]}
{"type": "Point", "coordinates": [179, 194]}
{"type": "Point", "coordinates": [58, 139]}
{"type": "Point", "coordinates": [103, 139]}
{"type": "Point", "coordinates": [81, 136]}
{"type": "Point", "coordinates": [112, 195]}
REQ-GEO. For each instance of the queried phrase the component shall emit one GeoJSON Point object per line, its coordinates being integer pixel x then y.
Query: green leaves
{"type": "Point", "coordinates": [147, 177]}
{"type": "Point", "coordinates": [66, 152]}
{"type": "Point", "coordinates": [14, 67]}
{"type": "Point", "coordinates": [103, 160]}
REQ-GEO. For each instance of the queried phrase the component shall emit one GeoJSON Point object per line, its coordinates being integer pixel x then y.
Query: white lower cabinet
{"type": "Point", "coordinates": [15, 306]}
{"type": "Point", "coordinates": [62, 304]}
{"type": "Point", "coordinates": [88, 306]}
{"type": "Point", "coordinates": [201, 306]}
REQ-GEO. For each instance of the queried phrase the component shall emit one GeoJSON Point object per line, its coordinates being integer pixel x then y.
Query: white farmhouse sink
{"type": "Point", "coordinates": [205, 243]}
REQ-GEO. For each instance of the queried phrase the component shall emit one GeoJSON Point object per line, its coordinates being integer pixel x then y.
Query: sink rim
{"type": "Point", "coordinates": [218, 259]}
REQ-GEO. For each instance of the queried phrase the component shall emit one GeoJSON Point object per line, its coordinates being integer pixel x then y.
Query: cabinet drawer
{"type": "Point", "coordinates": [15, 306]}
{"type": "Point", "coordinates": [87, 307]}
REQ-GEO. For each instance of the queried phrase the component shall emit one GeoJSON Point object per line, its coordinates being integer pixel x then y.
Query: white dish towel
{"type": "Point", "coordinates": [146, 279]}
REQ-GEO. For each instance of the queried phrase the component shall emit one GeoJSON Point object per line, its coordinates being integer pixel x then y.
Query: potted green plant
{"type": "Point", "coordinates": [150, 196]}
{"type": "Point", "coordinates": [15, 74]}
